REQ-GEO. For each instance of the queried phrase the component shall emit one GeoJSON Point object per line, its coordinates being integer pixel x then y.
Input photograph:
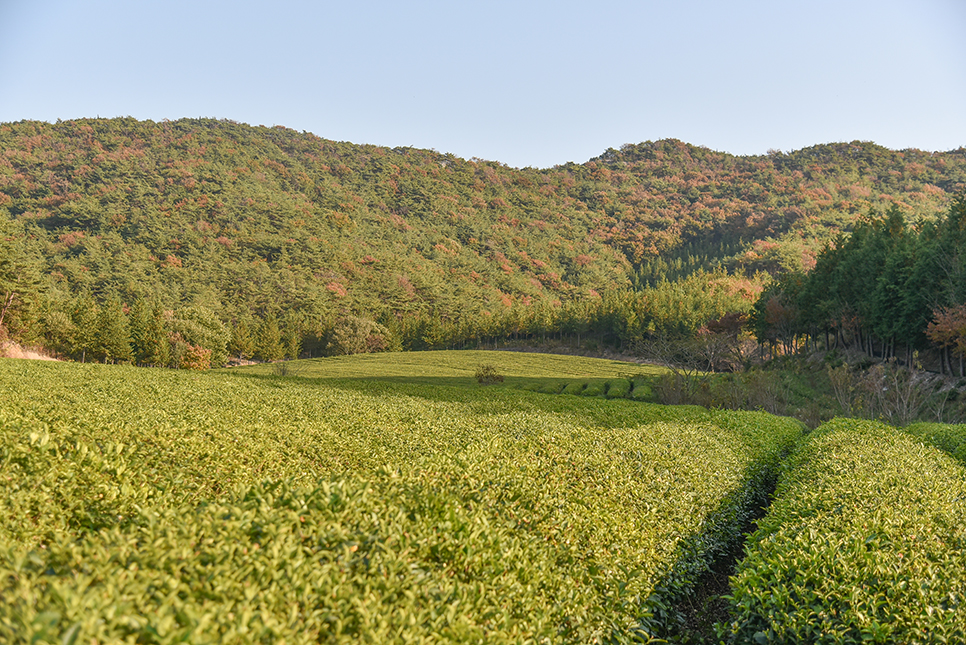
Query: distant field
{"type": "Point", "coordinates": [157, 506]}
{"type": "Point", "coordinates": [520, 370]}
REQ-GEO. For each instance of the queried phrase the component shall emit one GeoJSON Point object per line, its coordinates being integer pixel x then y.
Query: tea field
{"type": "Point", "coordinates": [547, 373]}
{"type": "Point", "coordinates": [391, 499]}
{"type": "Point", "coordinates": [865, 543]}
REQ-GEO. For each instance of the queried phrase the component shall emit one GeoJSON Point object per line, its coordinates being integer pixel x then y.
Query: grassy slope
{"type": "Point", "coordinates": [457, 367]}
{"type": "Point", "coordinates": [496, 501]}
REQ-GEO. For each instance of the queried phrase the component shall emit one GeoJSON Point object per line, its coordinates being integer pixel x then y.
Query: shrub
{"type": "Point", "coordinates": [195, 358]}
{"type": "Point", "coordinates": [223, 508]}
{"type": "Point", "coordinates": [574, 387]}
{"type": "Point", "coordinates": [642, 391]}
{"type": "Point", "coordinates": [595, 388]}
{"type": "Point", "coordinates": [618, 389]}
{"type": "Point", "coordinates": [947, 437]}
{"type": "Point", "coordinates": [553, 387]}
{"type": "Point", "coordinates": [488, 375]}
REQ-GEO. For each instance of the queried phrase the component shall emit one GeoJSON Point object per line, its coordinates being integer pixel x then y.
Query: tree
{"type": "Point", "coordinates": [199, 327]}
{"type": "Point", "coordinates": [113, 337]}
{"type": "Point", "coordinates": [292, 342]}
{"type": "Point", "coordinates": [354, 335]}
{"type": "Point", "coordinates": [19, 276]}
{"type": "Point", "coordinates": [242, 341]}
{"type": "Point", "coordinates": [948, 329]}
{"type": "Point", "coordinates": [85, 317]}
{"type": "Point", "coordinates": [269, 346]}
{"type": "Point", "coordinates": [149, 336]}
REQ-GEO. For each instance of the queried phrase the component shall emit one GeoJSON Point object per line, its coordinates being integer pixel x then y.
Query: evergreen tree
{"type": "Point", "coordinates": [19, 280]}
{"type": "Point", "coordinates": [292, 343]}
{"type": "Point", "coordinates": [85, 317]}
{"type": "Point", "coordinates": [155, 346]}
{"type": "Point", "coordinates": [113, 337]}
{"type": "Point", "coordinates": [199, 327]}
{"type": "Point", "coordinates": [242, 341]}
{"type": "Point", "coordinates": [269, 346]}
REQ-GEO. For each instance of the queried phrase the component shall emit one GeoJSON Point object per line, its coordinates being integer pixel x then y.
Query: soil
{"type": "Point", "coordinates": [10, 349]}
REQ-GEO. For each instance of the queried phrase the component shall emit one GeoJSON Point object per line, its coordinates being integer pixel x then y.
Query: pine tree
{"type": "Point", "coordinates": [242, 342]}
{"type": "Point", "coordinates": [155, 347]}
{"type": "Point", "coordinates": [269, 346]}
{"type": "Point", "coordinates": [84, 315]}
{"type": "Point", "coordinates": [113, 337]}
{"type": "Point", "coordinates": [292, 342]}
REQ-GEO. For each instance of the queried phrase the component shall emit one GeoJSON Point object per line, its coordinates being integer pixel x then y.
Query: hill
{"type": "Point", "coordinates": [254, 222]}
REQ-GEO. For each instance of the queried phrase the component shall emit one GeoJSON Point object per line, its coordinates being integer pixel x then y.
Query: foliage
{"type": "Point", "coordinates": [948, 328]}
{"type": "Point", "coordinates": [947, 437]}
{"type": "Point", "coordinates": [487, 374]}
{"type": "Point", "coordinates": [886, 391]}
{"type": "Point", "coordinates": [355, 335]}
{"type": "Point", "coordinates": [443, 252]}
{"type": "Point", "coordinates": [864, 543]}
{"type": "Point", "coordinates": [886, 290]}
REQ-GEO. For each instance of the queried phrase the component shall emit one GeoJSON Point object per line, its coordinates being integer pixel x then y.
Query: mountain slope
{"type": "Point", "coordinates": [269, 220]}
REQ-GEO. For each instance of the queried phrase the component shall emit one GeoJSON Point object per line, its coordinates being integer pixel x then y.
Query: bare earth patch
{"type": "Point", "coordinates": [10, 349]}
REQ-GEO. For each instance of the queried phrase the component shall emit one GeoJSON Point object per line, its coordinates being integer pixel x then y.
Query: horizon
{"type": "Point", "coordinates": [767, 153]}
{"type": "Point", "coordinates": [533, 84]}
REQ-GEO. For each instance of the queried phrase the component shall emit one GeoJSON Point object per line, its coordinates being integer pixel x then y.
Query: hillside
{"type": "Point", "coordinates": [268, 222]}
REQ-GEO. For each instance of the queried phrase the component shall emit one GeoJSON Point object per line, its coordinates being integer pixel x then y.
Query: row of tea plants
{"type": "Point", "coordinates": [865, 542]}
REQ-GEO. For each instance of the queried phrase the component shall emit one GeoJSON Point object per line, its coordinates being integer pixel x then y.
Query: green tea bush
{"type": "Point", "coordinates": [161, 506]}
{"type": "Point", "coordinates": [864, 543]}
{"type": "Point", "coordinates": [618, 388]}
{"type": "Point", "coordinates": [595, 388]}
{"type": "Point", "coordinates": [553, 387]}
{"type": "Point", "coordinates": [947, 437]}
{"type": "Point", "coordinates": [574, 387]}
{"type": "Point", "coordinates": [642, 391]}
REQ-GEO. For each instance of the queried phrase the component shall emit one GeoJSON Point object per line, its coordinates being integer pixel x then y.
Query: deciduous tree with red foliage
{"type": "Point", "coordinates": [948, 330]}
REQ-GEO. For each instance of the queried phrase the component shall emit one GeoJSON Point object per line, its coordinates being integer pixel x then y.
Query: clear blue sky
{"type": "Point", "coordinates": [528, 82]}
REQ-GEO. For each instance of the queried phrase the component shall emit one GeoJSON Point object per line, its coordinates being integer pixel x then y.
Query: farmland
{"type": "Point", "coordinates": [163, 506]}
{"type": "Point", "coordinates": [393, 499]}
{"type": "Point", "coordinates": [864, 543]}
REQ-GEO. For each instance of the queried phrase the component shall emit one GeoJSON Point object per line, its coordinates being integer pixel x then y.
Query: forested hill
{"type": "Point", "coordinates": [269, 221]}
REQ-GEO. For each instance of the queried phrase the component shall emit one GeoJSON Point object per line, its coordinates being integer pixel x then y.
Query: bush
{"type": "Point", "coordinates": [595, 388]}
{"type": "Point", "coordinates": [236, 510]}
{"type": "Point", "coordinates": [488, 375]}
{"type": "Point", "coordinates": [947, 437]}
{"type": "Point", "coordinates": [554, 387]}
{"type": "Point", "coordinates": [574, 387]}
{"type": "Point", "coordinates": [642, 392]}
{"type": "Point", "coordinates": [618, 389]}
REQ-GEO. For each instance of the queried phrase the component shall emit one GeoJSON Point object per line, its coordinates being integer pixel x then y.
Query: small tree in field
{"type": "Point", "coordinates": [195, 358]}
{"type": "Point", "coordinates": [488, 375]}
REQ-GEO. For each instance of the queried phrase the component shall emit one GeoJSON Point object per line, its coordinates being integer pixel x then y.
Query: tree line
{"type": "Point", "coordinates": [890, 289]}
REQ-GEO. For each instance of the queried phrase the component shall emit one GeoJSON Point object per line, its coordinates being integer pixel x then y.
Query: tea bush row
{"type": "Point", "coordinates": [156, 506]}
{"type": "Point", "coordinates": [947, 437]}
{"type": "Point", "coordinates": [865, 542]}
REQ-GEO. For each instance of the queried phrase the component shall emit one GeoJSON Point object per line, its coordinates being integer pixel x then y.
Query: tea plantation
{"type": "Point", "coordinates": [154, 506]}
{"type": "Point", "coordinates": [865, 543]}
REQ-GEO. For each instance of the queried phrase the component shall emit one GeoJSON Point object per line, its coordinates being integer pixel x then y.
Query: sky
{"type": "Point", "coordinates": [524, 82]}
